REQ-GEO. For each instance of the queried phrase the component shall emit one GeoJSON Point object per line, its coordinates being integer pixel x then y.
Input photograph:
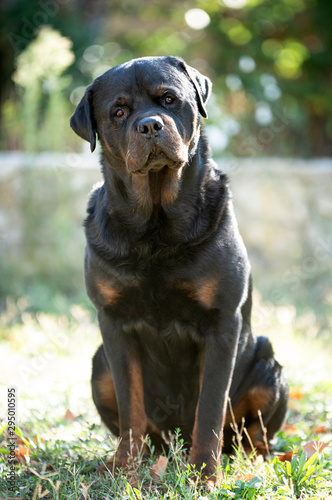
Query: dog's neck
{"type": "Point", "coordinates": [198, 185]}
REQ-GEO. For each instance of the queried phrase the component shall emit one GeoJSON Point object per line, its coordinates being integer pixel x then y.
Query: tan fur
{"type": "Point", "coordinates": [109, 292]}
{"type": "Point", "coordinates": [106, 393]}
{"type": "Point", "coordinates": [257, 398]}
{"type": "Point", "coordinates": [203, 290]}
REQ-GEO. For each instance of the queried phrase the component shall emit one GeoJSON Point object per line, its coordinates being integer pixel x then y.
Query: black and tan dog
{"type": "Point", "coordinates": [168, 272]}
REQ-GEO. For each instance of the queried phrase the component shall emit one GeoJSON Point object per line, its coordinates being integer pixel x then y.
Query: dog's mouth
{"type": "Point", "coordinates": [156, 162]}
{"type": "Point", "coordinates": [157, 184]}
{"type": "Point", "coordinates": [161, 175]}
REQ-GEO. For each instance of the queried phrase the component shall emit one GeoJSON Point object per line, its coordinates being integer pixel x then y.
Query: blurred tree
{"type": "Point", "coordinates": [39, 74]}
{"type": "Point", "coordinates": [20, 22]}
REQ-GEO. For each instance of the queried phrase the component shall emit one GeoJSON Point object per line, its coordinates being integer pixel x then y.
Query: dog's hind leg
{"type": "Point", "coordinates": [264, 391]}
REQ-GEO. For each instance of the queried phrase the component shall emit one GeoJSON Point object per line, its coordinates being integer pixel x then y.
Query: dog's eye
{"type": "Point", "coordinates": [169, 99]}
{"type": "Point", "coordinates": [119, 113]}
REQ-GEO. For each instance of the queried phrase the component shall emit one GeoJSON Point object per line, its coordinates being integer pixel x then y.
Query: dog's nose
{"type": "Point", "coordinates": [150, 126]}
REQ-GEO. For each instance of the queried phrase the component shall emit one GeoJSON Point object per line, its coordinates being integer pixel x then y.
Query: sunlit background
{"type": "Point", "coordinates": [270, 128]}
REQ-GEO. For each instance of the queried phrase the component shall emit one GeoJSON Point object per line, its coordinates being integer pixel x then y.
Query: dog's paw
{"type": "Point", "coordinates": [209, 485]}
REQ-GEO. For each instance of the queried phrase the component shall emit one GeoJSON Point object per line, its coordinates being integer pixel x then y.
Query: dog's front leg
{"type": "Point", "coordinates": [123, 354]}
{"type": "Point", "coordinates": [216, 375]}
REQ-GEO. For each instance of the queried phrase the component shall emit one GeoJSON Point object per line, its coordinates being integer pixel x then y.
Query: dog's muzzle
{"type": "Point", "coordinates": [154, 143]}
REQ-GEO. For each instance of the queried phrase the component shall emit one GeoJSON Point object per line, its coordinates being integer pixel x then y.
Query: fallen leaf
{"type": "Point", "coordinates": [321, 429]}
{"type": "Point", "coordinates": [161, 464]}
{"type": "Point", "coordinates": [287, 457]}
{"type": "Point", "coordinates": [22, 453]}
{"type": "Point", "coordinates": [159, 468]}
{"type": "Point", "coordinates": [309, 448]}
{"type": "Point", "coordinates": [245, 477]}
{"type": "Point", "coordinates": [296, 394]}
{"type": "Point", "coordinates": [69, 416]}
{"type": "Point", "coordinates": [314, 446]}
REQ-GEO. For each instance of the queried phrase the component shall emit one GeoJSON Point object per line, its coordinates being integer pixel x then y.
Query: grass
{"type": "Point", "coordinates": [48, 359]}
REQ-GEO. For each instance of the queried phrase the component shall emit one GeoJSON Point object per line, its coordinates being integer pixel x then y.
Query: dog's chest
{"type": "Point", "coordinates": [159, 298]}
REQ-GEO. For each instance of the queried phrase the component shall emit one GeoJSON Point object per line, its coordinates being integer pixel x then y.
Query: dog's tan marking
{"type": "Point", "coordinates": [206, 291]}
{"type": "Point", "coordinates": [109, 292]}
{"type": "Point", "coordinates": [257, 398]}
{"type": "Point", "coordinates": [203, 290]}
{"type": "Point", "coordinates": [136, 420]}
{"type": "Point", "coordinates": [171, 186]}
{"type": "Point", "coordinates": [173, 144]}
{"type": "Point", "coordinates": [160, 90]}
{"type": "Point", "coordinates": [260, 398]}
{"type": "Point", "coordinates": [141, 189]}
{"type": "Point", "coordinates": [106, 392]}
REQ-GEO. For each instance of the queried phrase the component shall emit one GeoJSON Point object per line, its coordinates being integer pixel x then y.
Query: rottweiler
{"type": "Point", "coordinates": [168, 272]}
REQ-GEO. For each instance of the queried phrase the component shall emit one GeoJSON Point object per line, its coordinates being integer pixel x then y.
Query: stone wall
{"type": "Point", "coordinates": [283, 206]}
{"type": "Point", "coordinates": [284, 210]}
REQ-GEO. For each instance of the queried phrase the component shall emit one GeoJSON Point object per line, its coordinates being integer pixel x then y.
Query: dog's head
{"type": "Point", "coordinates": [145, 114]}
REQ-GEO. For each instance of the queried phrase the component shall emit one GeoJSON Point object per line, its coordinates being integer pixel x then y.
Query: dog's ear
{"type": "Point", "coordinates": [83, 122]}
{"type": "Point", "coordinates": [203, 86]}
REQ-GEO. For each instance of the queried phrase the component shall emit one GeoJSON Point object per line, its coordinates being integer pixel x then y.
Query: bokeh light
{"type": "Point", "coordinates": [263, 114]}
{"type": "Point", "coordinates": [197, 19]}
{"type": "Point", "coordinates": [247, 64]}
{"type": "Point", "coordinates": [234, 4]}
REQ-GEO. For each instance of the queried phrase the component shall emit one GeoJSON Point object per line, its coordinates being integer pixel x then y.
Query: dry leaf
{"type": "Point", "coordinates": [287, 457]}
{"type": "Point", "coordinates": [22, 453]}
{"type": "Point", "coordinates": [159, 468]}
{"type": "Point", "coordinates": [312, 446]}
{"type": "Point", "coordinates": [69, 416]}
{"type": "Point", "coordinates": [309, 448]}
{"type": "Point", "coordinates": [245, 477]}
{"type": "Point", "coordinates": [321, 429]}
{"type": "Point", "coordinates": [161, 464]}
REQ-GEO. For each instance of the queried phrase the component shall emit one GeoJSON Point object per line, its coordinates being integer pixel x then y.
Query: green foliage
{"type": "Point", "coordinates": [301, 473]}
{"type": "Point", "coordinates": [248, 490]}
